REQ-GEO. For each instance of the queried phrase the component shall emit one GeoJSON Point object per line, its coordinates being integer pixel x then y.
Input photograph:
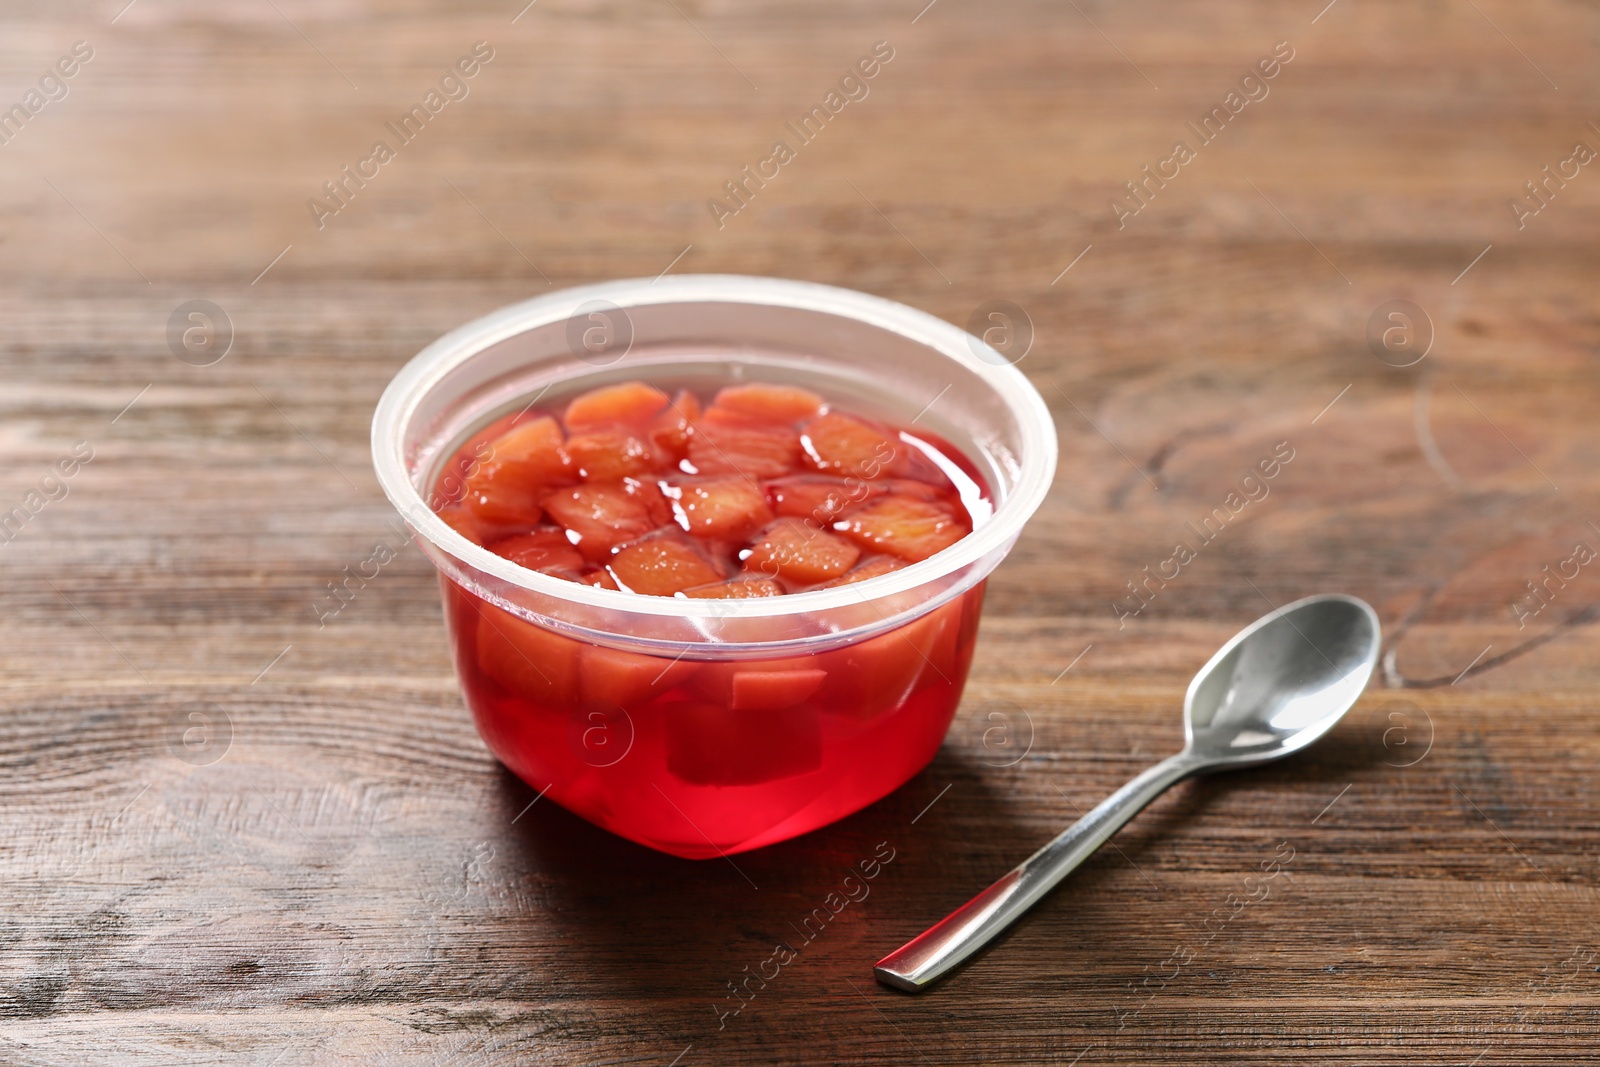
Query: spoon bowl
{"type": "Point", "coordinates": [1277, 686]}
{"type": "Point", "coordinates": [1281, 682]}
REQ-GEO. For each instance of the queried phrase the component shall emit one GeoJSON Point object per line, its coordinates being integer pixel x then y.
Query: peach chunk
{"type": "Point", "coordinates": [901, 526]}
{"type": "Point", "coordinates": [811, 496]}
{"type": "Point", "coordinates": [542, 550]}
{"type": "Point", "coordinates": [771, 690]}
{"type": "Point", "coordinates": [629, 404]}
{"type": "Point", "coordinates": [881, 673]}
{"type": "Point", "coordinates": [610, 677]}
{"type": "Point", "coordinates": [872, 568]}
{"type": "Point", "coordinates": [760, 685]}
{"type": "Point", "coordinates": [840, 444]}
{"type": "Point", "coordinates": [600, 577]}
{"type": "Point", "coordinates": [938, 488]}
{"type": "Point", "coordinates": [671, 430]}
{"type": "Point", "coordinates": [662, 566]}
{"type": "Point", "coordinates": [526, 462]}
{"type": "Point", "coordinates": [726, 447]}
{"type": "Point", "coordinates": [602, 516]}
{"type": "Point", "coordinates": [769, 403]}
{"type": "Point", "coordinates": [728, 507]}
{"type": "Point", "coordinates": [792, 549]}
{"type": "Point", "coordinates": [527, 660]}
{"type": "Point", "coordinates": [606, 455]}
{"type": "Point", "coordinates": [736, 589]}
{"type": "Point", "coordinates": [461, 521]}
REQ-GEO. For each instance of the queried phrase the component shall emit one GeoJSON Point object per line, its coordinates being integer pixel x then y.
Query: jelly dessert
{"type": "Point", "coordinates": [752, 490]}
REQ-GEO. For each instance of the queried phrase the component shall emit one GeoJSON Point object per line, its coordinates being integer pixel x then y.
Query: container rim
{"type": "Point", "coordinates": [429, 367]}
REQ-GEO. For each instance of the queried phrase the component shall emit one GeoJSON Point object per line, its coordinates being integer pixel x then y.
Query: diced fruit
{"type": "Point", "coordinates": [479, 445]}
{"type": "Point", "coordinates": [715, 681]}
{"type": "Point", "coordinates": [526, 462]}
{"type": "Point", "coordinates": [870, 569]}
{"type": "Point", "coordinates": [921, 490]}
{"type": "Point", "coordinates": [736, 589]}
{"type": "Point", "coordinates": [606, 455]}
{"type": "Point", "coordinates": [662, 566]}
{"type": "Point", "coordinates": [900, 526]}
{"type": "Point", "coordinates": [728, 507]}
{"type": "Point", "coordinates": [708, 744]}
{"type": "Point", "coordinates": [769, 403]}
{"type": "Point", "coordinates": [755, 690]}
{"type": "Point", "coordinates": [461, 521]}
{"type": "Point", "coordinates": [610, 677]}
{"type": "Point", "coordinates": [881, 673]}
{"type": "Point", "coordinates": [527, 660]}
{"type": "Point", "coordinates": [816, 497]}
{"type": "Point", "coordinates": [541, 550]}
{"type": "Point", "coordinates": [477, 449]}
{"type": "Point", "coordinates": [838, 503]}
{"type": "Point", "coordinates": [632, 405]}
{"type": "Point", "coordinates": [761, 722]}
{"type": "Point", "coordinates": [599, 577]}
{"type": "Point", "coordinates": [723, 448]}
{"type": "Point", "coordinates": [602, 515]}
{"type": "Point", "coordinates": [840, 444]}
{"type": "Point", "coordinates": [799, 552]}
{"type": "Point", "coordinates": [671, 430]}
{"type": "Point", "coordinates": [655, 501]}
{"type": "Point", "coordinates": [504, 505]}
{"type": "Point", "coordinates": [531, 451]}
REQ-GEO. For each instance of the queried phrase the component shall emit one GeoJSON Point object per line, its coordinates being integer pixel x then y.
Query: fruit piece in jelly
{"type": "Point", "coordinates": [817, 497]}
{"type": "Point", "coordinates": [762, 690]}
{"type": "Point", "coordinates": [611, 677]}
{"type": "Point", "coordinates": [542, 550]}
{"type": "Point", "coordinates": [870, 568]}
{"type": "Point", "coordinates": [800, 552]}
{"type": "Point", "coordinates": [527, 461]}
{"type": "Point", "coordinates": [529, 661]}
{"type": "Point", "coordinates": [765, 404]}
{"type": "Point", "coordinates": [731, 506]}
{"type": "Point", "coordinates": [599, 577]}
{"type": "Point", "coordinates": [710, 744]}
{"type": "Point", "coordinates": [840, 444]}
{"type": "Point", "coordinates": [603, 516]}
{"type": "Point", "coordinates": [733, 447]}
{"type": "Point", "coordinates": [671, 430]}
{"type": "Point", "coordinates": [462, 522]}
{"type": "Point", "coordinates": [662, 565]}
{"type": "Point", "coordinates": [759, 683]}
{"type": "Point", "coordinates": [736, 589]}
{"type": "Point", "coordinates": [607, 455]}
{"type": "Point", "coordinates": [472, 454]}
{"type": "Point", "coordinates": [902, 526]}
{"type": "Point", "coordinates": [733, 476]}
{"type": "Point", "coordinates": [879, 674]}
{"type": "Point", "coordinates": [633, 405]}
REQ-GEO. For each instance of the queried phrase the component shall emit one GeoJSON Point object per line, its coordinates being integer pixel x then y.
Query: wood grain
{"type": "Point", "coordinates": [355, 880]}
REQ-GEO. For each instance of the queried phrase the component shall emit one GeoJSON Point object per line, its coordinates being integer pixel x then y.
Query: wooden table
{"type": "Point", "coordinates": [334, 870]}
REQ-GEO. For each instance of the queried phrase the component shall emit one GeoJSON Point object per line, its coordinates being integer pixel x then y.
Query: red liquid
{"type": "Point", "coordinates": [701, 758]}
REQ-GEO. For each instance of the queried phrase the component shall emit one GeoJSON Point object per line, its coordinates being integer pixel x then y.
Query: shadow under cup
{"type": "Point", "coordinates": [707, 727]}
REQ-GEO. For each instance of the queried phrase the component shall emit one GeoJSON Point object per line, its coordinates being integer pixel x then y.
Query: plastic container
{"type": "Point", "coordinates": [708, 727]}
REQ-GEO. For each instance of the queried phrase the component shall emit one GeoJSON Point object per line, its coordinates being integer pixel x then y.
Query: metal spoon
{"type": "Point", "coordinates": [1277, 686]}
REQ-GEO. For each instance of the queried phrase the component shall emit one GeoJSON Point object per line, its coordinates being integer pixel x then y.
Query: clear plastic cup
{"type": "Point", "coordinates": [708, 727]}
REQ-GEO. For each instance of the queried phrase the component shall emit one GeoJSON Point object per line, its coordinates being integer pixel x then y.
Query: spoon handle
{"type": "Point", "coordinates": [940, 949]}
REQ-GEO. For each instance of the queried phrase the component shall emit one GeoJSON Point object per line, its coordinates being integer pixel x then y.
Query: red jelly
{"type": "Point", "coordinates": [754, 490]}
